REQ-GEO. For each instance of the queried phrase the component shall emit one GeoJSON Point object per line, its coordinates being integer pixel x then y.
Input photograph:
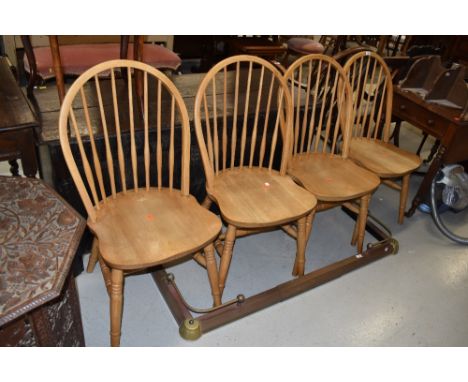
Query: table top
{"type": "Point", "coordinates": [15, 112]}
{"type": "Point", "coordinates": [187, 84]}
{"type": "Point", "coordinates": [39, 235]}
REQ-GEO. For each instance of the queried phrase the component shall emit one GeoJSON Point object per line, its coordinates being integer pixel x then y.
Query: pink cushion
{"type": "Point", "coordinates": [78, 58]}
{"type": "Point", "coordinates": [304, 45]}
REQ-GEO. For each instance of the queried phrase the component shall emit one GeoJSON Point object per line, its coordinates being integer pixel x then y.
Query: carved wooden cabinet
{"type": "Point", "coordinates": [39, 234]}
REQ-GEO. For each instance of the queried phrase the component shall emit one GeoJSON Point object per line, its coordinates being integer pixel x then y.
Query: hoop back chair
{"type": "Point", "coordinates": [242, 120]}
{"type": "Point", "coordinates": [139, 210]}
{"type": "Point", "coordinates": [321, 98]}
{"type": "Point", "coordinates": [372, 88]}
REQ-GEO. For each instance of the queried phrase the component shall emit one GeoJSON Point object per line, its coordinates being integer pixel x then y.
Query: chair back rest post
{"type": "Point", "coordinates": [242, 113]}
{"type": "Point", "coordinates": [321, 101]}
{"type": "Point", "coordinates": [372, 87]}
{"type": "Point", "coordinates": [108, 121]}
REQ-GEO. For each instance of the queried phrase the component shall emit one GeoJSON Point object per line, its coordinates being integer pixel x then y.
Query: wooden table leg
{"type": "Point", "coordinates": [57, 65]}
{"type": "Point", "coordinates": [426, 183]}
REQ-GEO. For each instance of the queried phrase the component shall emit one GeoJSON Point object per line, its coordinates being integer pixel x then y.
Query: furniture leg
{"type": "Point", "coordinates": [226, 257]}
{"type": "Point", "coordinates": [355, 232]}
{"type": "Point", "coordinates": [309, 222]}
{"type": "Point", "coordinates": [57, 62]}
{"type": "Point", "coordinates": [212, 269]}
{"type": "Point", "coordinates": [362, 220]}
{"type": "Point", "coordinates": [106, 274]}
{"type": "Point", "coordinates": [116, 306]}
{"type": "Point", "coordinates": [425, 184]}
{"type": "Point", "coordinates": [299, 264]}
{"type": "Point", "coordinates": [28, 49]}
{"type": "Point", "coordinates": [93, 258]}
{"type": "Point", "coordinates": [403, 197]}
{"type": "Point", "coordinates": [14, 168]}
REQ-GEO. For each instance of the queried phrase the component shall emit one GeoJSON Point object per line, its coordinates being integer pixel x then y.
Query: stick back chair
{"type": "Point", "coordinates": [139, 209]}
{"type": "Point", "coordinates": [321, 98]}
{"type": "Point", "coordinates": [372, 88]}
{"type": "Point", "coordinates": [243, 133]}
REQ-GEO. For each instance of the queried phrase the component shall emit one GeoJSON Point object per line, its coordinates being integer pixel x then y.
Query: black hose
{"type": "Point", "coordinates": [437, 220]}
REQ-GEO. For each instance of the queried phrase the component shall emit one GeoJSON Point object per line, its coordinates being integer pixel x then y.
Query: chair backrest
{"type": "Point", "coordinates": [242, 116]}
{"type": "Point", "coordinates": [371, 84]}
{"type": "Point", "coordinates": [321, 98]}
{"type": "Point", "coordinates": [124, 132]}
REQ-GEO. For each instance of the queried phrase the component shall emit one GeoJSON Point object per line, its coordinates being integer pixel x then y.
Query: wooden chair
{"type": "Point", "coordinates": [321, 98]}
{"type": "Point", "coordinates": [244, 134]}
{"type": "Point", "coordinates": [139, 223]}
{"type": "Point", "coordinates": [372, 88]}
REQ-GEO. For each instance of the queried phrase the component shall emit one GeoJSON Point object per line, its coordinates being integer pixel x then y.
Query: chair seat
{"type": "Point", "coordinates": [76, 59]}
{"type": "Point", "coordinates": [303, 45]}
{"type": "Point", "coordinates": [257, 197]}
{"type": "Point", "coordinates": [332, 178]}
{"type": "Point", "coordinates": [146, 228]}
{"type": "Point", "coordinates": [384, 159]}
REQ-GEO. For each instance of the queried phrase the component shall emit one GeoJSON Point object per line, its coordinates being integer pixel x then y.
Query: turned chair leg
{"type": "Point", "coordinates": [299, 264]}
{"type": "Point", "coordinates": [363, 209]}
{"type": "Point", "coordinates": [116, 306]}
{"type": "Point", "coordinates": [213, 277]}
{"type": "Point", "coordinates": [226, 257]}
{"type": "Point", "coordinates": [354, 238]}
{"type": "Point", "coordinates": [106, 274]}
{"type": "Point", "coordinates": [94, 257]}
{"type": "Point", "coordinates": [403, 197]}
{"type": "Point", "coordinates": [309, 222]}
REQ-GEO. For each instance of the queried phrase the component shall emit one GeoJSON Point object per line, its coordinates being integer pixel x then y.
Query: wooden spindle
{"type": "Point", "coordinates": [382, 99]}
{"type": "Point", "coordinates": [132, 130]}
{"type": "Point", "coordinates": [265, 125]}
{"type": "Point", "coordinates": [224, 138]}
{"type": "Point", "coordinates": [314, 107]}
{"type": "Point", "coordinates": [84, 159]}
{"type": "Point", "coordinates": [146, 149]}
{"type": "Point", "coordinates": [275, 131]}
{"type": "Point", "coordinates": [209, 141]}
{"type": "Point", "coordinates": [341, 103]}
{"type": "Point", "coordinates": [158, 138]}
{"type": "Point", "coordinates": [234, 123]}
{"type": "Point", "coordinates": [120, 153]}
{"type": "Point", "coordinates": [257, 112]}
{"type": "Point", "coordinates": [330, 114]}
{"type": "Point", "coordinates": [358, 106]}
{"type": "Point", "coordinates": [306, 109]}
{"type": "Point", "coordinates": [298, 109]}
{"type": "Point", "coordinates": [246, 114]}
{"type": "Point", "coordinates": [323, 107]}
{"type": "Point", "coordinates": [215, 128]}
{"type": "Point", "coordinates": [369, 99]}
{"type": "Point", "coordinates": [171, 144]}
{"type": "Point", "coordinates": [96, 160]}
{"type": "Point", "coordinates": [109, 159]}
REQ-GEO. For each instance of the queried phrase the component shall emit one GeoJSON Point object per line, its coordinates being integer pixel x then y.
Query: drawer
{"type": "Point", "coordinates": [420, 116]}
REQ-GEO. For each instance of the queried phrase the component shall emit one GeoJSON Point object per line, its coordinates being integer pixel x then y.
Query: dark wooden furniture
{"type": "Point", "coordinates": [443, 123]}
{"type": "Point", "coordinates": [39, 234]}
{"type": "Point", "coordinates": [58, 61]}
{"type": "Point", "coordinates": [17, 124]}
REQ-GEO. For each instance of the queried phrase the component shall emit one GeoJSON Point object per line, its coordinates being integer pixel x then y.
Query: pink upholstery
{"type": "Point", "coordinates": [78, 58]}
{"type": "Point", "coordinates": [304, 45]}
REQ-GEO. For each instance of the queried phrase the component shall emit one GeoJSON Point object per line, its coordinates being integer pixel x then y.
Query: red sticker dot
{"type": "Point", "coordinates": [150, 217]}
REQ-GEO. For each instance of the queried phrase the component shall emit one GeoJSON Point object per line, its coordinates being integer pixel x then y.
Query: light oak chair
{"type": "Point", "coordinates": [139, 210]}
{"type": "Point", "coordinates": [321, 98]}
{"type": "Point", "coordinates": [372, 88]}
{"type": "Point", "coordinates": [243, 126]}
